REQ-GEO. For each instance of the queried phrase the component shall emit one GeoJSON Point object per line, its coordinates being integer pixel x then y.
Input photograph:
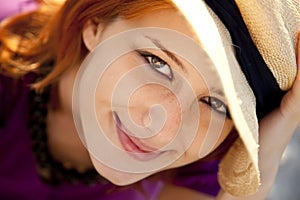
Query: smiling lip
{"type": "Point", "coordinates": [137, 149]}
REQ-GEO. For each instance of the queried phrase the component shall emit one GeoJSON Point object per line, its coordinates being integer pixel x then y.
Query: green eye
{"type": "Point", "coordinates": [157, 64]}
{"type": "Point", "coordinates": [216, 104]}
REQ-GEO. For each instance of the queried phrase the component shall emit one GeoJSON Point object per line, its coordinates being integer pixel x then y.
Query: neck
{"type": "Point", "coordinates": [64, 142]}
{"type": "Point", "coordinates": [60, 155]}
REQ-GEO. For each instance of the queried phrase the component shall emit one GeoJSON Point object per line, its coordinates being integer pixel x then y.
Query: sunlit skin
{"type": "Point", "coordinates": [148, 95]}
{"type": "Point", "coordinates": [64, 39]}
{"type": "Point", "coordinates": [283, 119]}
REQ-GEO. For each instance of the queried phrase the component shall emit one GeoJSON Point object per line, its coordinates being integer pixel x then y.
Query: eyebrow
{"type": "Point", "coordinates": [218, 91]}
{"type": "Point", "coordinates": [172, 56]}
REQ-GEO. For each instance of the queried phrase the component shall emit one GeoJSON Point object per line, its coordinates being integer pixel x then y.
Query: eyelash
{"type": "Point", "coordinates": [213, 102]}
{"type": "Point", "coordinates": [216, 104]}
{"type": "Point", "coordinates": [149, 58]}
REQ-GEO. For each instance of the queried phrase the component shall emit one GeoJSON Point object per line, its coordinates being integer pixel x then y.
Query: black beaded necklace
{"type": "Point", "coordinates": [50, 170]}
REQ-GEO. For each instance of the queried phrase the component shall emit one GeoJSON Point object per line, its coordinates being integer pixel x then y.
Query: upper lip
{"type": "Point", "coordinates": [136, 141]}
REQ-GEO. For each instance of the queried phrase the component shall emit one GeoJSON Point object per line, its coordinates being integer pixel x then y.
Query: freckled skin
{"type": "Point", "coordinates": [145, 97]}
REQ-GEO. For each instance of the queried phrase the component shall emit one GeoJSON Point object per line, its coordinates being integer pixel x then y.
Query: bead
{"type": "Point", "coordinates": [56, 173]}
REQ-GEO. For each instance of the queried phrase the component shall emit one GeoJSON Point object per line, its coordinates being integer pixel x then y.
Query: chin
{"type": "Point", "coordinates": [120, 178]}
{"type": "Point", "coordinates": [123, 182]}
{"type": "Point", "coordinates": [123, 179]}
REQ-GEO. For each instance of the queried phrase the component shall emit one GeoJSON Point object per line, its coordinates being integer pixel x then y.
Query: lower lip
{"type": "Point", "coordinates": [133, 149]}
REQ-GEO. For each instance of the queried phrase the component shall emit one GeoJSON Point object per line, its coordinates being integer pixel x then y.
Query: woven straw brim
{"type": "Point", "coordinates": [238, 170]}
{"type": "Point", "coordinates": [240, 176]}
{"type": "Point", "coordinates": [274, 26]}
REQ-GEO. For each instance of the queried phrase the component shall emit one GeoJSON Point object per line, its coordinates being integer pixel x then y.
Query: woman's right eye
{"type": "Point", "coordinates": [157, 64]}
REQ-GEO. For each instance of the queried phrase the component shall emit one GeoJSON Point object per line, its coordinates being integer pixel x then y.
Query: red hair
{"type": "Point", "coordinates": [52, 35]}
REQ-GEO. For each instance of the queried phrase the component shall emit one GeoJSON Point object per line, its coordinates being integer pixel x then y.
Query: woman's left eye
{"type": "Point", "coordinates": [157, 64]}
{"type": "Point", "coordinates": [216, 104]}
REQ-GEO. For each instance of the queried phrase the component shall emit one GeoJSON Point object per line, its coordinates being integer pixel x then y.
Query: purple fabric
{"type": "Point", "coordinates": [199, 176]}
{"type": "Point", "coordinates": [18, 176]}
{"type": "Point", "coordinates": [19, 179]}
{"type": "Point", "coordinates": [12, 7]}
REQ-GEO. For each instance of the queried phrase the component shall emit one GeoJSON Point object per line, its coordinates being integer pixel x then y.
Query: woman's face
{"type": "Point", "coordinates": [157, 100]}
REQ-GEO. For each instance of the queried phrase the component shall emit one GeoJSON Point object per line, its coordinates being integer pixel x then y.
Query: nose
{"type": "Point", "coordinates": [156, 108]}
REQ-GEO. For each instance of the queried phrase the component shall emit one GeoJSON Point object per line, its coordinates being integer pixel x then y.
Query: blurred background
{"type": "Point", "coordinates": [287, 183]}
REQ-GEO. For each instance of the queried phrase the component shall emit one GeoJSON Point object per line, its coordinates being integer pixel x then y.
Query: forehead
{"type": "Point", "coordinates": [185, 44]}
{"type": "Point", "coordinates": [168, 18]}
{"type": "Point", "coordinates": [169, 29]}
{"type": "Point", "coordinates": [165, 18]}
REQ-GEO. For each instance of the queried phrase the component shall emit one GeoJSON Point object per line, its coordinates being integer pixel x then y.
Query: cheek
{"type": "Point", "coordinates": [213, 129]}
{"type": "Point", "coordinates": [158, 109]}
{"type": "Point", "coordinates": [227, 128]}
{"type": "Point", "coordinates": [110, 78]}
{"type": "Point", "coordinates": [114, 74]}
{"type": "Point", "coordinates": [150, 96]}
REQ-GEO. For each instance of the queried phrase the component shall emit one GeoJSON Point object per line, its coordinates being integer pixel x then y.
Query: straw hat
{"type": "Point", "coordinates": [273, 26]}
